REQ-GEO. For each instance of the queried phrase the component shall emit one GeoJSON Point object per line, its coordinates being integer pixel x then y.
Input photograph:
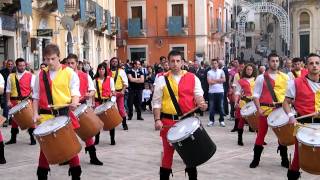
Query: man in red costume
{"type": "Point", "coordinates": [189, 94]}
{"type": "Point", "coordinates": [303, 93]}
{"type": "Point", "coordinates": [297, 70]}
{"type": "Point", "coordinates": [64, 87]}
{"type": "Point", "coordinates": [19, 87]}
{"type": "Point", "coordinates": [87, 91]}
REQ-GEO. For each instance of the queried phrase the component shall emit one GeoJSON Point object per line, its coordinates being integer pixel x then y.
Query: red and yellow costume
{"type": "Point", "coordinates": [61, 95]}
{"type": "Point", "coordinates": [120, 97]}
{"type": "Point", "coordinates": [184, 93]}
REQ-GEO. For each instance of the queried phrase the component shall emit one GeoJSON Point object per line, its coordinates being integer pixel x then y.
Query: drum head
{"type": "Point", "coordinates": [278, 117]}
{"type": "Point", "coordinates": [18, 107]}
{"type": "Point", "coordinates": [103, 107]}
{"type": "Point", "coordinates": [51, 126]}
{"type": "Point", "coordinates": [248, 109]}
{"type": "Point", "coordinates": [80, 110]}
{"type": "Point", "coordinates": [183, 129]}
{"type": "Point", "coordinates": [310, 137]}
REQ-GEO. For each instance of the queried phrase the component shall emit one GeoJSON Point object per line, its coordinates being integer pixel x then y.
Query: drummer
{"type": "Point", "coordinates": [243, 95]}
{"type": "Point", "coordinates": [305, 100]}
{"type": "Point", "coordinates": [265, 103]}
{"type": "Point", "coordinates": [2, 158]}
{"type": "Point", "coordinates": [104, 85]}
{"type": "Point", "coordinates": [63, 89]}
{"type": "Point", "coordinates": [87, 92]}
{"type": "Point", "coordinates": [186, 85]}
{"type": "Point", "coordinates": [297, 70]}
{"type": "Point", "coordinates": [19, 87]}
{"type": "Point", "coordinates": [121, 84]}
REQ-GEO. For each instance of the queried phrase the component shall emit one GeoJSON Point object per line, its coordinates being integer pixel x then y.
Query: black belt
{"type": "Point", "coordinates": [172, 116]}
{"type": "Point", "coordinates": [101, 100]}
{"type": "Point", "coordinates": [276, 105]}
{"type": "Point", "coordinates": [119, 90]}
{"type": "Point", "coordinates": [246, 99]}
{"type": "Point", "coordinates": [56, 112]}
{"type": "Point", "coordinates": [19, 98]}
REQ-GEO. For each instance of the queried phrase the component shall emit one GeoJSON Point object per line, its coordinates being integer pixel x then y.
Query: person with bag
{"type": "Point", "coordinates": [268, 94]}
{"type": "Point", "coordinates": [175, 93]}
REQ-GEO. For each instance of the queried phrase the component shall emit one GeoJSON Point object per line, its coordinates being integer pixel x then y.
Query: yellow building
{"type": "Point", "coordinates": [83, 27]}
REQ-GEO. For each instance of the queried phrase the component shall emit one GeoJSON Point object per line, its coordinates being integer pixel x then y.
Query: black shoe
{"type": "Point", "coordinates": [32, 140]}
{"type": "Point", "coordinates": [293, 175]}
{"type": "Point", "coordinates": [42, 173]}
{"type": "Point", "coordinates": [235, 127]}
{"type": "Point", "coordinates": [264, 143]}
{"type": "Point", "coordinates": [75, 172]}
{"type": "Point", "coordinates": [284, 155]}
{"type": "Point", "coordinates": [140, 118]}
{"type": "Point", "coordinates": [165, 173]}
{"type": "Point", "coordinates": [13, 139]}
{"type": "Point", "coordinates": [130, 118]}
{"type": "Point", "coordinates": [124, 123]}
{"type": "Point", "coordinates": [93, 156]}
{"type": "Point", "coordinates": [97, 139]}
{"type": "Point", "coordinates": [113, 142]}
{"type": "Point", "coordinates": [251, 130]}
{"type": "Point", "coordinates": [240, 132]}
{"type": "Point", "coordinates": [2, 159]}
{"type": "Point", "coordinates": [125, 127]}
{"type": "Point", "coordinates": [192, 173]}
{"type": "Point", "coordinates": [256, 156]}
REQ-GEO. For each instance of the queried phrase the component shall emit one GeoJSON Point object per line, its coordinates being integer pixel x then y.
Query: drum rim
{"type": "Point", "coordinates": [279, 125]}
{"type": "Point", "coordinates": [82, 111]}
{"type": "Point", "coordinates": [104, 104]}
{"type": "Point", "coordinates": [52, 131]}
{"type": "Point", "coordinates": [305, 143]}
{"type": "Point", "coordinates": [248, 114]}
{"type": "Point", "coordinates": [22, 106]}
{"type": "Point", "coordinates": [186, 135]}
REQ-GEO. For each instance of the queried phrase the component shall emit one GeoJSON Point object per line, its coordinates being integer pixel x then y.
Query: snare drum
{"type": "Point", "coordinates": [309, 148]}
{"type": "Point", "coordinates": [57, 140]}
{"type": "Point", "coordinates": [249, 113]}
{"type": "Point", "coordinates": [90, 123]}
{"type": "Point", "coordinates": [278, 120]}
{"type": "Point", "coordinates": [191, 141]}
{"type": "Point", "coordinates": [109, 115]}
{"type": "Point", "coordinates": [23, 114]}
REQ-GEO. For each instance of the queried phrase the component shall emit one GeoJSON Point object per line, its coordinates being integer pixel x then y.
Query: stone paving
{"type": "Point", "coordinates": [136, 156]}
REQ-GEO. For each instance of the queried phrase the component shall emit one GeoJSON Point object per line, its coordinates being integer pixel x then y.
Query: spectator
{"type": "Point", "coordinates": [288, 66]}
{"type": "Point", "coordinates": [216, 78]}
{"type": "Point", "coordinates": [151, 76]}
{"type": "Point", "coordinates": [88, 69]}
{"type": "Point", "coordinates": [136, 85]}
{"type": "Point", "coordinates": [80, 66]}
{"type": "Point", "coordinates": [262, 69]}
{"type": "Point", "coordinates": [225, 86]}
{"type": "Point", "coordinates": [5, 73]}
{"type": "Point", "coordinates": [200, 72]}
{"type": "Point", "coordinates": [146, 97]}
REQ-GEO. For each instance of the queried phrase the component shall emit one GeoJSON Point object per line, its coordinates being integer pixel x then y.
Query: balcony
{"type": "Point", "coordinates": [177, 25]}
{"type": "Point", "coordinates": [135, 28]}
{"type": "Point", "coordinates": [71, 5]}
{"type": "Point", "coordinates": [48, 5]}
{"type": "Point", "coordinates": [10, 7]}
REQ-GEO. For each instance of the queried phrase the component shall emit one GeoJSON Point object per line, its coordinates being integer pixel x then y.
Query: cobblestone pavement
{"type": "Point", "coordinates": [136, 156]}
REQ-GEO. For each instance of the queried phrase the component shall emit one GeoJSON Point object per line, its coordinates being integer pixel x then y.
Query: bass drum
{"type": "Point", "coordinates": [191, 141]}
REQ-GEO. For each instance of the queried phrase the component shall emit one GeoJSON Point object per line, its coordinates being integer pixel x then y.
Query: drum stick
{"type": "Point", "coordinates": [308, 115]}
{"type": "Point", "coordinates": [189, 112]}
{"type": "Point", "coordinates": [61, 105]}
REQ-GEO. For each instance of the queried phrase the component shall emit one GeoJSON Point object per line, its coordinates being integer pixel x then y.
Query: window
{"type": "Point", "coordinates": [177, 10]}
{"type": "Point", "coordinates": [180, 49]}
{"type": "Point", "coordinates": [304, 20]}
{"type": "Point", "coordinates": [138, 54]}
{"type": "Point", "coordinates": [137, 13]}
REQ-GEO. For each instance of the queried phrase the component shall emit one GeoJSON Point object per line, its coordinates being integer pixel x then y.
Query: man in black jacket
{"type": "Point", "coordinates": [5, 73]}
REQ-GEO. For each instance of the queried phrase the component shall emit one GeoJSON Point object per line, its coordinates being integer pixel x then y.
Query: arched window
{"type": "Point", "coordinates": [304, 20]}
{"type": "Point", "coordinates": [86, 45]}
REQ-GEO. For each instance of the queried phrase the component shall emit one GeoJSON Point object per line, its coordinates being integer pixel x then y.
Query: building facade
{"type": "Point", "coordinates": [83, 27]}
{"type": "Point", "coordinates": [150, 29]}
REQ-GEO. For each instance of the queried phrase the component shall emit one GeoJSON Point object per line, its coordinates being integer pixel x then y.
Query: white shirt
{"type": "Point", "coordinates": [216, 74]}
{"type": "Point", "coordinates": [1, 81]}
{"type": "Point", "coordinates": [19, 76]}
{"type": "Point", "coordinates": [257, 91]}
{"type": "Point", "coordinates": [112, 87]}
{"type": "Point", "coordinates": [160, 83]}
{"type": "Point", "coordinates": [90, 84]}
{"type": "Point", "coordinates": [74, 84]}
{"type": "Point", "coordinates": [146, 94]}
{"type": "Point", "coordinates": [291, 90]}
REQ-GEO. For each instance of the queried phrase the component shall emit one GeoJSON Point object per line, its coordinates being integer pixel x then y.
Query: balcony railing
{"type": "Point", "coordinates": [71, 4]}
{"type": "Point", "coordinates": [177, 25]}
{"type": "Point", "coordinates": [137, 27]}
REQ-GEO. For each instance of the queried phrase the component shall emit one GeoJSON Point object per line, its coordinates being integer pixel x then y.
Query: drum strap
{"type": "Point", "coordinates": [18, 86]}
{"type": "Point", "coordinates": [269, 86]}
{"type": "Point", "coordinates": [98, 91]}
{"type": "Point", "coordinates": [116, 76]}
{"type": "Point", "coordinates": [173, 97]}
{"type": "Point", "coordinates": [47, 87]}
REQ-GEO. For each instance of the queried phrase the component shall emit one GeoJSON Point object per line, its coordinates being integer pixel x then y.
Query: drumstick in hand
{"type": "Point", "coordinates": [308, 115]}
{"type": "Point", "coordinates": [189, 112]}
{"type": "Point", "coordinates": [60, 105]}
